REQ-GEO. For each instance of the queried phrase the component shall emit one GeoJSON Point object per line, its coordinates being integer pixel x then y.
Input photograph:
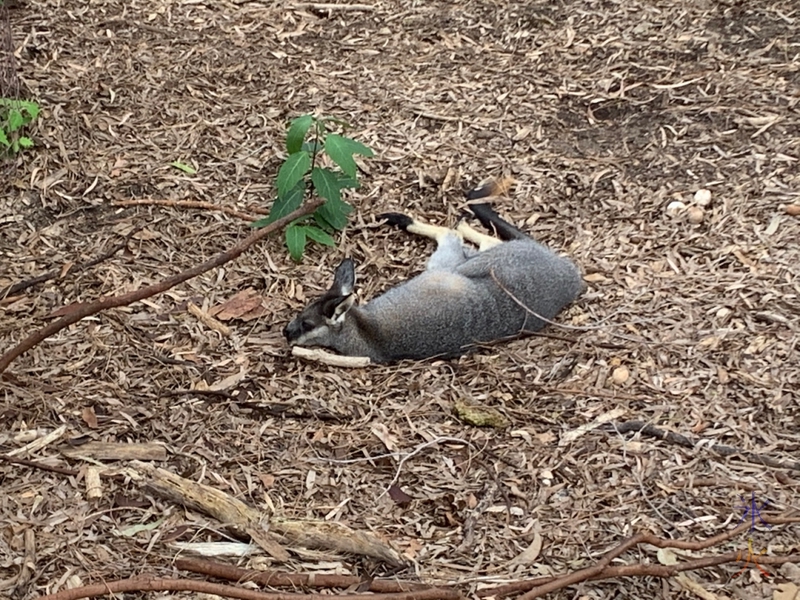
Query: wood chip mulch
{"type": "Point", "coordinates": [607, 114]}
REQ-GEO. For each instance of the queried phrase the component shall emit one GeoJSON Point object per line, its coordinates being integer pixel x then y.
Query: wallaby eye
{"type": "Point", "coordinates": [307, 326]}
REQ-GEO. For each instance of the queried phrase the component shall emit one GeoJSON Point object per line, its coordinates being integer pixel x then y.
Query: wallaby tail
{"type": "Point", "coordinates": [487, 215]}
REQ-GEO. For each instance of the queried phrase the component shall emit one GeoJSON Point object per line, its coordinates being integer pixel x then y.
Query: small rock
{"type": "Point", "coordinates": [792, 209]}
{"type": "Point", "coordinates": [675, 207]}
{"type": "Point", "coordinates": [702, 197]}
{"type": "Point", "coordinates": [620, 375]}
{"type": "Point", "coordinates": [696, 214]}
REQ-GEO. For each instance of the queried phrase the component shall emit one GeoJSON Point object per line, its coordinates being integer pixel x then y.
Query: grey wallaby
{"type": "Point", "coordinates": [465, 297]}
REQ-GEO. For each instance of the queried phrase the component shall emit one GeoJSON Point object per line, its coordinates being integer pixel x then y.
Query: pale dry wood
{"type": "Point", "coordinates": [94, 486]}
{"type": "Point", "coordinates": [263, 528]}
{"type": "Point", "coordinates": [116, 451]}
{"type": "Point", "coordinates": [208, 320]}
{"type": "Point", "coordinates": [329, 358]}
{"type": "Point", "coordinates": [230, 511]}
{"type": "Point", "coordinates": [39, 443]}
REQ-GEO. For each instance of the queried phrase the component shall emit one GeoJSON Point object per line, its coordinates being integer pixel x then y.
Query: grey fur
{"type": "Point", "coordinates": [453, 305]}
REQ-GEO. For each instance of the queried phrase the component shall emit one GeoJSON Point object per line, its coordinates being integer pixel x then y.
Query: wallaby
{"type": "Point", "coordinates": [465, 296]}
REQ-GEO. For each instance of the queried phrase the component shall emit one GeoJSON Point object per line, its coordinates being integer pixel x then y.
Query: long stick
{"type": "Point", "coordinates": [95, 307]}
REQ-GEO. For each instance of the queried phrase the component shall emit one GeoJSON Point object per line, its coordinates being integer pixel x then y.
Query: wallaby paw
{"type": "Point", "coordinates": [465, 216]}
{"type": "Point", "coordinates": [398, 220]}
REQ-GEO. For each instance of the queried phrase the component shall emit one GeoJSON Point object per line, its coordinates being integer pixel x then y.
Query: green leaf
{"type": "Point", "coordinates": [283, 205]}
{"type": "Point", "coordinates": [25, 142]}
{"type": "Point", "coordinates": [296, 241]}
{"type": "Point", "coordinates": [292, 170]}
{"type": "Point", "coordinates": [335, 213]}
{"type": "Point", "coordinates": [322, 223]}
{"type": "Point", "coordinates": [336, 121]}
{"type": "Point", "coordinates": [4, 138]}
{"type": "Point", "coordinates": [183, 167]}
{"type": "Point", "coordinates": [297, 133]}
{"type": "Point", "coordinates": [318, 235]}
{"type": "Point", "coordinates": [31, 108]}
{"type": "Point", "coordinates": [341, 150]}
{"type": "Point", "coordinates": [312, 147]}
{"type": "Point", "coordinates": [15, 120]}
{"type": "Point", "coordinates": [326, 183]}
{"type": "Point", "coordinates": [346, 182]}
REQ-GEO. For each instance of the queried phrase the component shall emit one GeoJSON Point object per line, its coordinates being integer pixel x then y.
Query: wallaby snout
{"type": "Point", "coordinates": [292, 331]}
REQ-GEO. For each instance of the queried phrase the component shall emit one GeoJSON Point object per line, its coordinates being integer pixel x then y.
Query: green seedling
{"type": "Point", "coordinates": [300, 175]}
{"type": "Point", "coordinates": [14, 116]}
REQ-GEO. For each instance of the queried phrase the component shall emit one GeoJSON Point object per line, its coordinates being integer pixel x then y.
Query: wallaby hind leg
{"type": "Point", "coordinates": [494, 222]}
{"type": "Point", "coordinates": [406, 223]}
{"type": "Point", "coordinates": [450, 250]}
{"type": "Point", "coordinates": [483, 241]}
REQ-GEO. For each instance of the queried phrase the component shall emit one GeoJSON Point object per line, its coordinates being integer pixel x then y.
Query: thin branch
{"type": "Point", "coordinates": [302, 580]}
{"type": "Point", "coordinates": [92, 308]}
{"type": "Point", "coordinates": [186, 204]}
{"type": "Point", "coordinates": [159, 584]}
{"type": "Point", "coordinates": [537, 588]}
{"type": "Point", "coordinates": [687, 442]}
{"type": "Point", "coordinates": [38, 465]}
{"type": "Point", "coordinates": [328, 358]}
{"type": "Point", "coordinates": [417, 450]}
{"type": "Point", "coordinates": [24, 285]}
{"type": "Point", "coordinates": [332, 7]}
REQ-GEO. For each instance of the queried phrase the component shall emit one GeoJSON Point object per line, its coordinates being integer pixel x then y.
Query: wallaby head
{"type": "Point", "coordinates": [465, 297]}
{"type": "Point", "coordinates": [321, 320]}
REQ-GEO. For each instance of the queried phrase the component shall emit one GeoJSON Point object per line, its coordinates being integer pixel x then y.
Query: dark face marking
{"type": "Point", "coordinates": [327, 309]}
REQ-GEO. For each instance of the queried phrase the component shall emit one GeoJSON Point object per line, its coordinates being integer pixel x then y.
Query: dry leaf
{"type": "Point", "coordinates": [772, 228]}
{"type": "Point", "coordinates": [595, 278]}
{"type": "Point", "coordinates": [412, 549]}
{"type": "Point", "coordinates": [571, 436]}
{"type": "Point", "coordinates": [531, 553]}
{"type": "Point", "coordinates": [380, 431]}
{"type": "Point", "coordinates": [546, 437]}
{"type": "Point", "coordinates": [89, 417]}
{"type": "Point", "coordinates": [245, 302]}
{"type": "Point", "coordinates": [231, 380]}
{"type": "Point", "coordinates": [399, 496]}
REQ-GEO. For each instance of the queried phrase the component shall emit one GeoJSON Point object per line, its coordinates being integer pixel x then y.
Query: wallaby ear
{"type": "Point", "coordinates": [340, 298]}
{"type": "Point", "coordinates": [344, 281]}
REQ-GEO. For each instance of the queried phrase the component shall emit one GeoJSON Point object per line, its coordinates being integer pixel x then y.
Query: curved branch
{"type": "Point", "coordinates": [95, 307]}
{"type": "Point", "coordinates": [536, 588]}
{"type": "Point", "coordinates": [305, 580]}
